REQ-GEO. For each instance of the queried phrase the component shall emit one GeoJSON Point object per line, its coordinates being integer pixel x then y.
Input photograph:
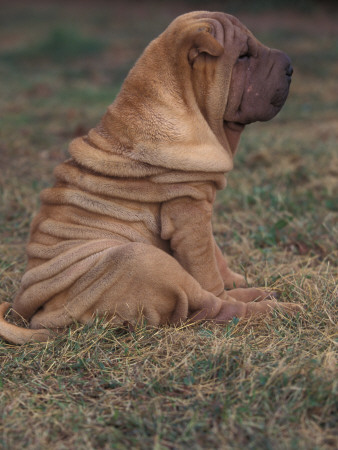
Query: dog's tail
{"type": "Point", "coordinates": [19, 335]}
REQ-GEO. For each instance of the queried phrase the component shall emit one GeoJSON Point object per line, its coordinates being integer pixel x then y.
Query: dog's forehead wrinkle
{"type": "Point", "coordinates": [236, 40]}
{"type": "Point", "coordinates": [219, 32]}
{"type": "Point", "coordinates": [270, 70]}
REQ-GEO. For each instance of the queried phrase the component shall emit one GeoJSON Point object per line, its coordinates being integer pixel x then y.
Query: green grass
{"type": "Point", "coordinates": [204, 386]}
{"type": "Point", "coordinates": [61, 45]}
{"type": "Point", "coordinates": [250, 384]}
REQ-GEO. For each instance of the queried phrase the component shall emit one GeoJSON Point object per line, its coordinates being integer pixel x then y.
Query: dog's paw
{"type": "Point", "coordinates": [234, 280]}
{"type": "Point", "coordinates": [247, 295]}
{"type": "Point", "coordinates": [290, 308]}
{"type": "Point", "coordinates": [268, 306]}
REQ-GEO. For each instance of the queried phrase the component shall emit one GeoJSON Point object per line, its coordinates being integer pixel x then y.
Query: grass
{"type": "Point", "coordinates": [250, 384]}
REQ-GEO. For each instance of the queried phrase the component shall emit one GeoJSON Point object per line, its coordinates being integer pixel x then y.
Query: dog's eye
{"type": "Point", "coordinates": [244, 56]}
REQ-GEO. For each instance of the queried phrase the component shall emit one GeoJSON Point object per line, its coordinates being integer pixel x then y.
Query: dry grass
{"type": "Point", "coordinates": [250, 384]}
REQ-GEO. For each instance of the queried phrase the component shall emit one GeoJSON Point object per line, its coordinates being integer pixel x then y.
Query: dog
{"type": "Point", "coordinates": [126, 230]}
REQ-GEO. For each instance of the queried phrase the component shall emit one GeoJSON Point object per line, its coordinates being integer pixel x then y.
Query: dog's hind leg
{"type": "Point", "coordinates": [131, 282]}
{"type": "Point", "coordinates": [142, 281]}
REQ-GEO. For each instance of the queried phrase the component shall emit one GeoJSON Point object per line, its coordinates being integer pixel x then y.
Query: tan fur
{"type": "Point", "coordinates": [126, 230]}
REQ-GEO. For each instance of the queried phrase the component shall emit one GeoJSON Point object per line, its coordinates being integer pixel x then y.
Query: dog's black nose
{"type": "Point", "coordinates": [289, 70]}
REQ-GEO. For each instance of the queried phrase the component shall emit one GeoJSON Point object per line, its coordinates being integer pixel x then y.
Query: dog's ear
{"type": "Point", "coordinates": [203, 41]}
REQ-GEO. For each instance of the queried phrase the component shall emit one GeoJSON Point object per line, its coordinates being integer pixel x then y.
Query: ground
{"type": "Point", "coordinates": [253, 384]}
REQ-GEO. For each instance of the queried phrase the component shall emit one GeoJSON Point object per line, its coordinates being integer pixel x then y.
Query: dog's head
{"type": "Point", "coordinates": [192, 91]}
{"type": "Point", "coordinates": [231, 69]}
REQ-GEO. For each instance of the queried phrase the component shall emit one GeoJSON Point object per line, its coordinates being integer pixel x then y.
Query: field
{"type": "Point", "coordinates": [251, 384]}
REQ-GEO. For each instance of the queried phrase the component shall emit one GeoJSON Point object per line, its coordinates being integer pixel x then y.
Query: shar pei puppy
{"type": "Point", "coordinates": [126, 230]}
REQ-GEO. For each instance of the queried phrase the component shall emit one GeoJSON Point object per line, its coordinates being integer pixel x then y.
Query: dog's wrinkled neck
{"type": "Point", "coordinates": [156, 120]}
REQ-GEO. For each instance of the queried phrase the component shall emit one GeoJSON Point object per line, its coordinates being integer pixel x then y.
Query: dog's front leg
{"type": "Point", "coordinates": [187, 224]}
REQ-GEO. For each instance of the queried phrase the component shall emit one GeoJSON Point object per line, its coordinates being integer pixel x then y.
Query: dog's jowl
{"type": "Point", "coordinates": [125, 233]}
